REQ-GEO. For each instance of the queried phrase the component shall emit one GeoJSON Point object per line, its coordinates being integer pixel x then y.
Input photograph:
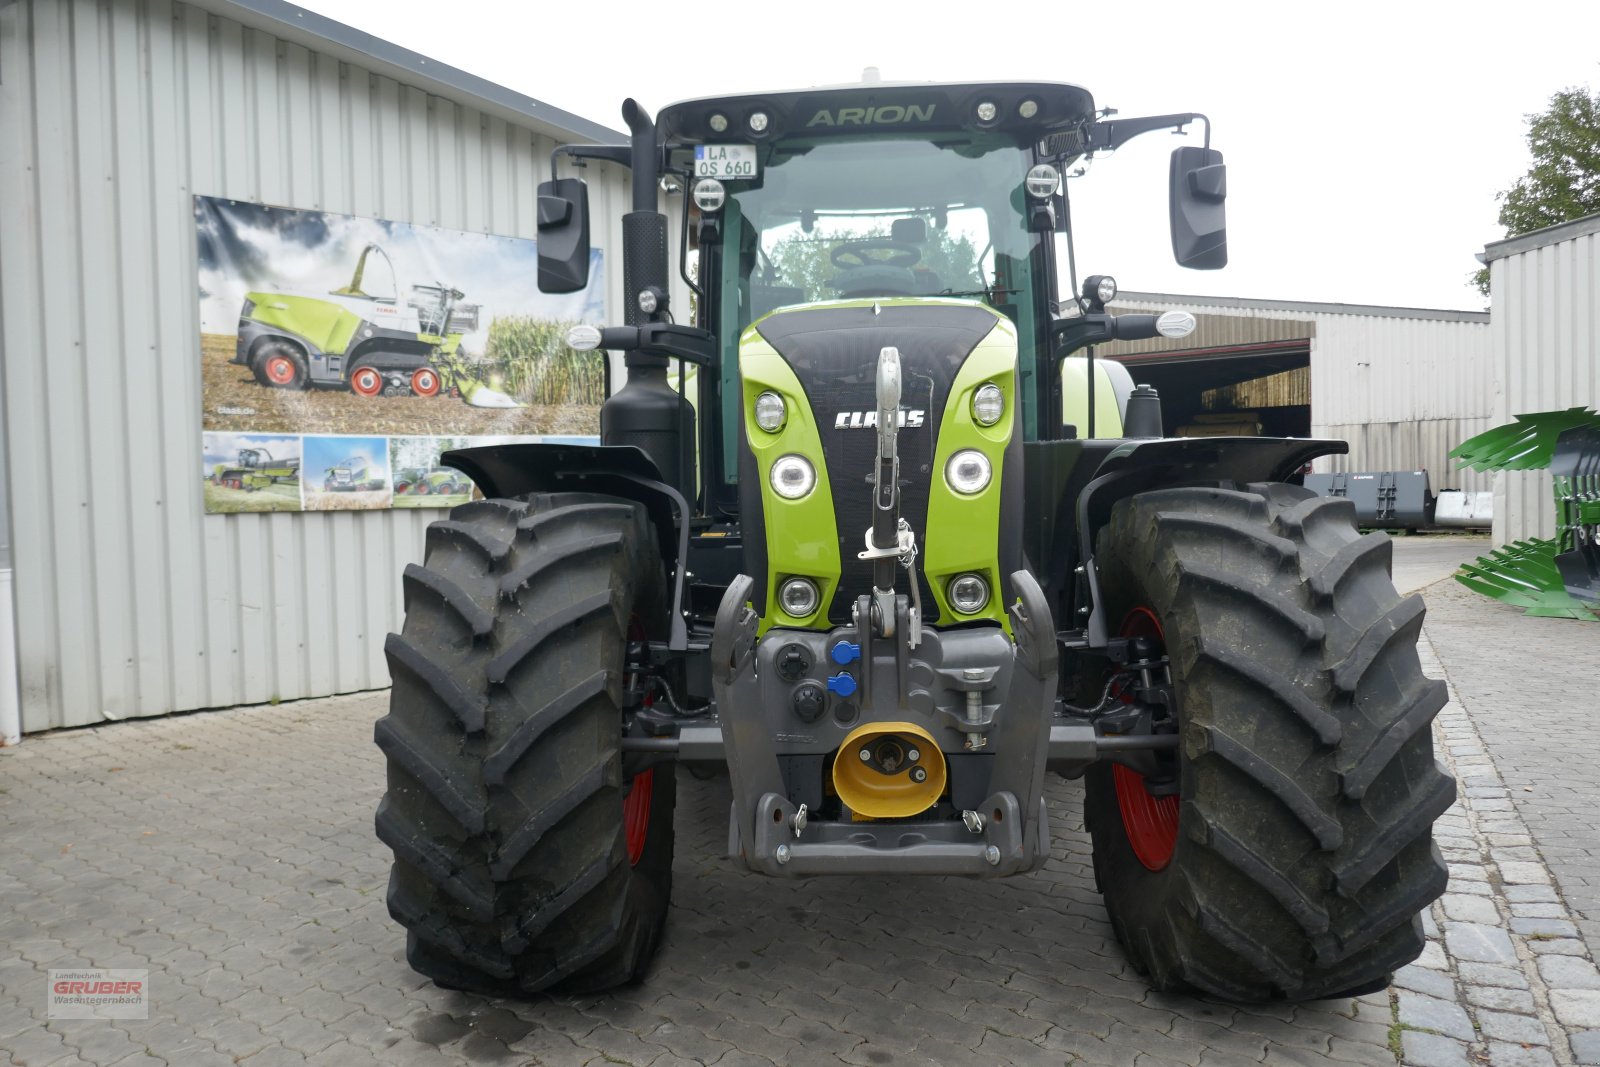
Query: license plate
{"type": "Point", "coordinates": [725, 161]}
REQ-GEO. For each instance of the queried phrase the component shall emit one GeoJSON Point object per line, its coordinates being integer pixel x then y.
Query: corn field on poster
{"type": "Point", "coordinates": [318, 329]}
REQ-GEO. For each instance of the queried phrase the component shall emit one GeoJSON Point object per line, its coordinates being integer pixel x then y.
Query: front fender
{"type": "Point", "coordinates": [613, 470]}
{"type": "Point", "coordinates": [1166, 463]}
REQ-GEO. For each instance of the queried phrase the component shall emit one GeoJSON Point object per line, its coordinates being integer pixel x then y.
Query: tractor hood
{"type": "Point", "coordinates": [828, 354]}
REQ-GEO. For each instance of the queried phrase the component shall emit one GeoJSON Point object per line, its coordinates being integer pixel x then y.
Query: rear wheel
{"type": "Point", "coordinates": [425, 381]}
{"type": "Point", "coordinates": [366, 381]}
{"type": "Point", "coordinates": [1284, 850]}
{"type": "Point", "coordinates": [523, 858]}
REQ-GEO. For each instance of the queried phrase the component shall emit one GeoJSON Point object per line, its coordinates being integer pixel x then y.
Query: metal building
{"type": "Point", "coordinates": [1545, 291]}
{"type": "Point", "coordinates": [1402, 385]}
{"type": "Point", "coordinates": [114, 113]}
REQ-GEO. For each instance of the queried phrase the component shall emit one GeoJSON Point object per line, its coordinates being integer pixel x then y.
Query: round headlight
{"type": "Point", "coordinates": [986, 111]}
{"type": "Point", "coordinates": [770, 412]}
{"type": "Point", "coordinates": [758, 122]}
{"type": "Point", "coordinates": [988, 404]}
{"type": "Point", "coordinates": [718, 122]}
{"type": "Point", "coordinates": [798, 597]}
{"type": "Point", "coordinates": [1028, 108]}
{"type": "Point", "coordinates": [1043, 181]}
{"type": "Point", "coordinates": [967, 472]}
{"type": "Point", "coordinates": [969, 593]}
{"type": "Point", "coordinates": [793, 477]}
{"type": "Point", "coordinates": [649, 301]}
{"type": "Point", "coordinates": [1107, 290]}
{"type": "Point", "coordinates": [709, 195]}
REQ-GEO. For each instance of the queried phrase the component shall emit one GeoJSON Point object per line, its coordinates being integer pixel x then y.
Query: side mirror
{"type": "Point", "coordinates": [1197, 195]}
{"type": "Point", "coordinates": [563, 242]}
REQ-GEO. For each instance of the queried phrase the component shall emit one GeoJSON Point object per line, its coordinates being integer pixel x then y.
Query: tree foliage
{"type": "Point", "coordinates": [804, 260]}
{"type": "Point", "coordinates": [1564, 182]}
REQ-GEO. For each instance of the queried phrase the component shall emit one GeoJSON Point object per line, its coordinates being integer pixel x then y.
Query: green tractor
{"type": "Point", "coordinates": [435, 481]}
{"type": "Point", "coordinates": [873, 572]}
{"type": "Point", "coordinates": [373, 346]}
{"type": "Point", "coordinates": [353, 475]}
{"type": "Point", "coordinates": [256, 469]}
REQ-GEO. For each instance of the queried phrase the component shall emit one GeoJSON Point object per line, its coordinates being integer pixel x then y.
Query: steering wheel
{"type": "Point", "coordinates": [852, 255]}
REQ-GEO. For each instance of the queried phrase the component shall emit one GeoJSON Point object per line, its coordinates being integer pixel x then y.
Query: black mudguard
{"type": "Point", "coordinates": [615, 470]}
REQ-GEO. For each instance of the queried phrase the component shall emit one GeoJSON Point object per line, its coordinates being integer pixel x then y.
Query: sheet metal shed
{"type": "Point", "coordinates": [1545, 292]}
{"type": "Point", "coordinates": [1402, 385]}
{"type": "Point", "coordinates": [129, 600]}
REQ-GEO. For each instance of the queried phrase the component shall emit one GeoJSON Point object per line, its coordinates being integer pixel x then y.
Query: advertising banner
{"type": "Point", "coordinates": [341, 355]}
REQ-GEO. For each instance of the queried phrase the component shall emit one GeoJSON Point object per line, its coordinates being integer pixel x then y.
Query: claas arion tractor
{"type": "Point", "coordinates": [873, 568]}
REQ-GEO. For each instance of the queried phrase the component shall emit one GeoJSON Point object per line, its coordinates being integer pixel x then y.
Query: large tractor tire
{"type": "Point", "coordinates": [1291, 851]}
{"type": "Point", "coordinates": [523, 859]}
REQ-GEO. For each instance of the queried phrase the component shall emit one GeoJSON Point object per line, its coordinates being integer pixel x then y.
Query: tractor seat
{"type": "Point", "coordinates": [875, 280]}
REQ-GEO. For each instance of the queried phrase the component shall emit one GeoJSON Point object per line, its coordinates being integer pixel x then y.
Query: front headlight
{"type": "Point", "coordinates": [798, 597]}
{"type": "Point", "coordinates": [770, 412]}
{"type": "Point", "coordinates": [793, 477]}
{"type": "Point", "coordinates": [988, 404]}
{"type": "Point", "coordinates": [969, 593]}
{"type": "Point", "coordinates": [968, 472]}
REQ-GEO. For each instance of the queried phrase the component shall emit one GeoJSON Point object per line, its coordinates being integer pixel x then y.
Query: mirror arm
{"type": "Point", "coordinates": [1110, 135]}
{"type": "Point", "coordinates": [607, 153]}
{"type": "Point", "coordinates": [1085, 330]}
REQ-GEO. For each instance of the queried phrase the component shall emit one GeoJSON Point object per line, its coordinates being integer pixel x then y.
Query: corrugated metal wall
{"type": "Point", "coordinates": [113, 114]}
{"type": "Point", "coordinates": [1403, 386]}
{"type": "Point", "coordinates": [1546, 301]}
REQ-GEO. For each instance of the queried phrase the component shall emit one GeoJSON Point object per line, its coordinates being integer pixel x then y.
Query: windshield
{"type": "Point", "coordinates": [858, 217]}
{"type": "Point", "coordinates": [873, 218]}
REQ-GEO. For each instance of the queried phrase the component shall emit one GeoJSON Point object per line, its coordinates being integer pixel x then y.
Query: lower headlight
{"type": "Point", "coordinates": [799, 597]}
{"type": "Point", "coordinates": [793, 476]}
{"type": "Point", "coordinates": [968, 472]}
{"type": "Point", "coordinates": [969, 593]}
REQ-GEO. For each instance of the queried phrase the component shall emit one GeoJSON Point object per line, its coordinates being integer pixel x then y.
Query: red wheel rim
{"type": "Point", "coordinates": [280, 370]}
{"type": "Point", "coordinates": [424, 382]}
{"type": "Point", "coordinates": [421, 489]}
{"type": "Point", "coordinates": [636, 805]}
{"type": "Point", "coordinates": [1151, 823]}
{"type": "Point", "coordinates": [366, 382]}
{"type": "Point", "coordinates": [636, 813]}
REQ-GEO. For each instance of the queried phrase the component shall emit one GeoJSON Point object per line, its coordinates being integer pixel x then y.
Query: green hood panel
{"type": "Point", "coordinates": [821, 359]}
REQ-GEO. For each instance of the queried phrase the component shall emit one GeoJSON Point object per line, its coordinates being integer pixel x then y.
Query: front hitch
{"type": "Point", "coordinates": [1007, 834]}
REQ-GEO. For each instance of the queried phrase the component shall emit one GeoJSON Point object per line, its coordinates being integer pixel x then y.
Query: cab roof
{"type": "Point", "coordinates": [1030, 110]}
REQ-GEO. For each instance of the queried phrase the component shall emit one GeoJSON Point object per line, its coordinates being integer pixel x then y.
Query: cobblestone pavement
{"type": "Point", "coordinates": [231, 853]}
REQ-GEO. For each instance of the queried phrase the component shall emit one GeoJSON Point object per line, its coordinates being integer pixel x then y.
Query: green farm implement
{"type": "Point", "coordinates": [352, 475]}
{"type": "Point", "coordinates": [256, 469]}
{"type": "Point", "coordinates": [371, 345]}
{"type": "Point", "coordinates": [1557, 577]}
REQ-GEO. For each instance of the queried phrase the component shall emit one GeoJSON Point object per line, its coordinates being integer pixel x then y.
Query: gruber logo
{"type": "Point", "coordinates": [868, 420]}
{"type": "Point", "coordinates": [96, 993]}
{"type": "Point", "coordinates": [119, 988]}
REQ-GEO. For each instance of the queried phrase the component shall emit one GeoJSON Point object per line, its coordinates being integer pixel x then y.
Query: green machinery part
{"type": "Point", "coordinates": [1556, 577]}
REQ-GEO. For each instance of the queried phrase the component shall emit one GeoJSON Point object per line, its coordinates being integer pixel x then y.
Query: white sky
{"type": "Point", "coordinates": [1365, 141]}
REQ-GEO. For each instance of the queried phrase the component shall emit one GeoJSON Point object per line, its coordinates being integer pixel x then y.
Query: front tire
{"type": "Point", "coordinates": [506, 806]}
{"type": "Point", "coordinates": [280, 365]}
{"type": "Point", "coordinates": [1300, 840]}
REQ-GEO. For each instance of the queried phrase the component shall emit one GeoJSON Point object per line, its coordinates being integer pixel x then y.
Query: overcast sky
{"type": "Point", "coordinates": [1365, 141]}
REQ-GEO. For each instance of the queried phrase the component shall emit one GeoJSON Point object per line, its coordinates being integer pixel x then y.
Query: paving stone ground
{"type": "Point", "coordinates": [231, 853]}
